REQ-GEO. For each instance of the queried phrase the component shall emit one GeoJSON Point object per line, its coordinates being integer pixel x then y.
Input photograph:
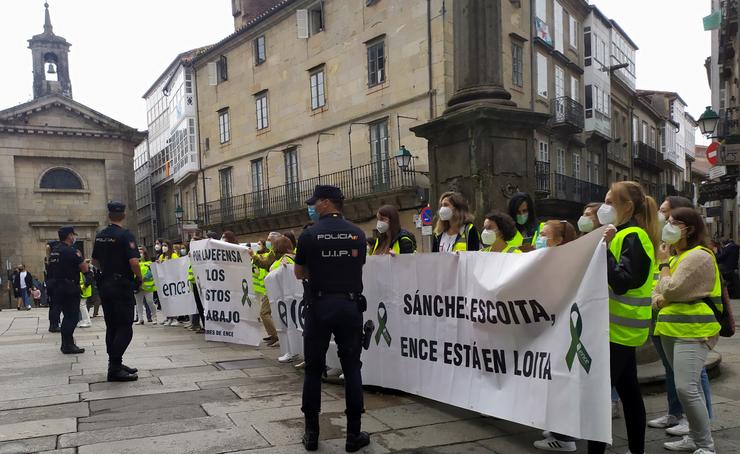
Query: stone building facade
{"type": "Point", "coordinates": [60, 162]}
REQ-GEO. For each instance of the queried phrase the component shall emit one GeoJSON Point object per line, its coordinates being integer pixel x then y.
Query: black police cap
{"type": "Point", "coordinates": [325, 192]}
{"type": "Point", "coordinates": [65, 231]}
{"type": "Point", "coordinates": [116, 207]}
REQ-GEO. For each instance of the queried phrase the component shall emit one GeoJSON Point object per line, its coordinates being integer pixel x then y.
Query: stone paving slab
{"type": "Point", "coordinates": [199, 442]}
{"type": "Point", "coordinates": [158, 401]}
{"type": "Point", "coordinates": [146, 389]}
{"type": "Point", "coordinates": [72, 410]}
{"type": "Point", "coordinates": [39, 401]}
{"type": "Point", "coordinates": [162, 427]}
{"type": "Point", "coordinates": [134, 417]}
{"type": "Point", "coordinates": [37, 428]}
{"type": "Point", "coordinates": [45, 391]}
{"type": "Point", "coordinates": [30, 445]}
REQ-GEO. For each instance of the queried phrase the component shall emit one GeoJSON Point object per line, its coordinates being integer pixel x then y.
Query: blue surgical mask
{"type": "Point", "coordinates": [268, 245]}
{"type": "Point", "coordinates": [541, 242]}
{"type": "Point", "coordinates": [312, 213]}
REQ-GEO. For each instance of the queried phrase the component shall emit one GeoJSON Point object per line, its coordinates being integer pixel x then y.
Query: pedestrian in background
{"type": "Point", "coordinates": [261, 263]}
{"type": "Point", "coordinates": [85, 293]}
{"type": "Point", "coordinates": [144, 294]}
{"type": "Point", "coordinates": [168, 253]}
{"type": "Point", "coordinates": [686, 323]}
{"type": "Point", "coordinates": [498, 230]}
{"type": "Point", "coordinates": [22, 286]}
{"type": "Point", "coordinates": [454, 231]}
{"type": "Point", "coordinates": [392, 239]}
{"type": "Point", "coordinates": [631, 236]}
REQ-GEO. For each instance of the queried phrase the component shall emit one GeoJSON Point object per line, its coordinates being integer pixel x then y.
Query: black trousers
{"type": "Point", "coordinates": [55, 310]}
{"type": "Point", "coordinates": [117, 296]}
{"type": "Point", "coordinates": [624, 379]}
{"type": "Point", "coordinates": [66, 299]}
{"type": "Point", "coordinates": [342, 318]}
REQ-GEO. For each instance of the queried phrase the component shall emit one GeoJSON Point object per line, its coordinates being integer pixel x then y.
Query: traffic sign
{"type": "Point", "coordinates": [426, 216]}
{"type": "Point", "coordinates": [712, 153]}
{"type": "Point", "coordinates": [717, 172]}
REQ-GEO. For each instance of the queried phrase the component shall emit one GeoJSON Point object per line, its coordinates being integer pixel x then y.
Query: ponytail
{"type": "Point", "coordinates": [651, 221]}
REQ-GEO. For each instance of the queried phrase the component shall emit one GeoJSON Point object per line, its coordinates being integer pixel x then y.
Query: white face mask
{"type": "Point", "coordinates": [183, 252]}
{"type": "Point", "coordinates": [157, 247]}
{"type": "Point", "coordinates": [671, 234]}
{"type": "Point", "coordinates": [585, 224]}
{"type": "Point", "coordinates": [445, 213]}
{"type": "Point", "coordinates": [382, 226]}
{"type": "Point", "coordinates": [165, 249]}
{"type": "Point", "coordinates": [606, 214]}
{"type": "Point", "coordinates": [488, 237]}
{"type": "Point", "coordinates": [661, 219]}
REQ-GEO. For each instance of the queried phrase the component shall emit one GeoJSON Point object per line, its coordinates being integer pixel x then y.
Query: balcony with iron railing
{"type": "Point", "coordinates": [647, 157]}
{"type": "Point", "coordinates": [357, 182]}
{"type": "Point", "coordinates": [170, 232]}
{"type": "Point", "coordinates": [619, 152]}
{"type": "Point", "coordinates": [567, 115]}
{"type": "Point", "coordinates": [563, 187]}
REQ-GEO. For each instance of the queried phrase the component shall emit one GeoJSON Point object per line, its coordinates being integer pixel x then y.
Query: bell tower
{"type": "Point", "coordinates": [50, 62]}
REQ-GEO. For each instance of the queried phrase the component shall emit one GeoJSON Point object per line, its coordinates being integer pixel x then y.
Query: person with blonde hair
{"type": "Point", "coordinates": [555, 233]}
{"type": "Point", "coordinates": [454, 231]}
{"type": "Point", "coordinates": [632, 238]}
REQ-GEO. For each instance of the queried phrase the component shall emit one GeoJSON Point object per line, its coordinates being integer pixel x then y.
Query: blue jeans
{"type": "Point", "coordinates": [674, 405]}
{"type": "Point", "coordinates": [26, 296]}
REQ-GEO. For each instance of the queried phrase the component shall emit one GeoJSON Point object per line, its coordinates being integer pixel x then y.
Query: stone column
{"type": "Point", "coordinates": [478, 65]}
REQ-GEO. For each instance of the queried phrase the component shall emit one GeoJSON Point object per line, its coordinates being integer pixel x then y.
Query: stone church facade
{"type": "Point", "coordinates": [60, 162]}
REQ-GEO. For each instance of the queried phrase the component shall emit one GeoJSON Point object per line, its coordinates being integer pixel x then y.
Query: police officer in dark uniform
{"type": "Point", "coordinates": [330, 257]}
{"type": "Point", "coordinates": [55, 311]}
{"type": "Point", "coordinates": [65, 265]}
{"type": "Point", "coordinates": [116, 255]}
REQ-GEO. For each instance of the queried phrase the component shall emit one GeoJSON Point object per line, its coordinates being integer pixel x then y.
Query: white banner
{"type": "Point", "coordinates": [223, 272]}
{"type": "Point", "coordinates": [174, 291]}
{"type": "Point", "coordinates": [523, 337]}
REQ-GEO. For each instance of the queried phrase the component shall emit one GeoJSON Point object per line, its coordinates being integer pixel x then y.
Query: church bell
{"type": "Point", "coordinates": [52, 69]}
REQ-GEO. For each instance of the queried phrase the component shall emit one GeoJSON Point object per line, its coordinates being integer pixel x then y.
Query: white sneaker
{"type": "Point", "coordinates": [84, 325]}
{"type": "Point", "coordinates": [332, 372]}
{"type": "Point", "coordinates": [663, 422]}
{"type": "Point", "coordinates": [140, 322]}
{"type": "Point", "coordinates": [174, 322]}
{"type": "Point", "coordinates": [680, 429]}
{"type": "Point", "coordinates": [551, 444]}
{"type": "Point", "coordinates": [287, 358]}
{"type": "Point", "coordinates": [165, 322]}
{"type": "Point", "coordinates": [684, 444]}
{"type": "Point", "coordinates": [704, 451]}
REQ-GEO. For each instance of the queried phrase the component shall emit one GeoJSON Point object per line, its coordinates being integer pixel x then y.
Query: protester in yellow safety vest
{"type": "Point", "coordinates": [630, 259]}
{"type": "Point", "coordinates": [261, 264]}
{"type": "Point", "coordinates": [392, 239]}
{"type": "Point", "coordinates": [498, 230]}
{"type": "Point", "coordinates": [589, 222]}
{"type": "Point", "coordinates": [85, 293]}
{"type": "Point", "coordinates": [168, 253]}
{"type": "Point", "coordinates": [521, 209]}
{"type": "Point", "coordinates": [688, 327]}
{"type": "Point", "coordinates": [145, 294]}
{"type": "Point", "coordinates": [555, 233]}
{"type": "Point", "coordinates": [673, 421]}
{"type": "Point", "coordinates": [454, 231]}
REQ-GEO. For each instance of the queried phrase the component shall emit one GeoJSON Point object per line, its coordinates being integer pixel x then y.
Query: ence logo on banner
{"type": "Point", "coordinates": [382, 329]}
{"type": "Point", "coordinates": [576, 346]}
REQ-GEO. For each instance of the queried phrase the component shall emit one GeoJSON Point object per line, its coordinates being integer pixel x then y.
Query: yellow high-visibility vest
{"type": "Point", "coordinates": [693, 318]}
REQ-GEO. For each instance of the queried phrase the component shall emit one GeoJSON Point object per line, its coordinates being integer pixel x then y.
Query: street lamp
{"type": "Point", "coordinates": [708, 122]}
{"type": "Point", "coordinates": [403, 161]}
{"type": "Point", "coordinates": [178, 213]}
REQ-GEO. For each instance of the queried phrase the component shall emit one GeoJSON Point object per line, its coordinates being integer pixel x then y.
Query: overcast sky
{"type": "Point", "coordinates": [119, 48]}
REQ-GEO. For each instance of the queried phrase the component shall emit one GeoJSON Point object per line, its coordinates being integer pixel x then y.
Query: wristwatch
{"type": "Point", "coordinates": [663, 265]}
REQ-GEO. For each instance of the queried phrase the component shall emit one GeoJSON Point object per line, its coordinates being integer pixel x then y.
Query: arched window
{"type": "Point", "coordinates": [59, 178]}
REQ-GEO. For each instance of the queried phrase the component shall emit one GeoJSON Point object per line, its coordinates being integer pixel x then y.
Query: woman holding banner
{"type": "Point", "coordinates": [454, 231]}
{"type": "Point", "coordinates": [630, 263]}
{"type": "Point", "coordinates": [688, 287]}
{"type": "Point", "coordinates": [144, 294]}
{"type": "Point", "coordinates": [392, 239]}
{"type": "Point", "coordinates": [498, 230]}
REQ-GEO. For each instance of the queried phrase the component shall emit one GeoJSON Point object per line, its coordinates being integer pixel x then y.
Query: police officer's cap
{"type": "Point", "coordinates": [325, 192]}
{"type": "Point", "coordinates": [116, 207]}
{"type": "Point", "coordinates": [65, 231]}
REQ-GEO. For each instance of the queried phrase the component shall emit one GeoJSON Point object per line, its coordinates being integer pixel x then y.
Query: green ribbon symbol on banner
{"type": "Point", "coordinates": [245, 297]}
{"type": "Point", "coordinates": [576, 346]}
{"type": "Point", "coordinates": [382, 329]}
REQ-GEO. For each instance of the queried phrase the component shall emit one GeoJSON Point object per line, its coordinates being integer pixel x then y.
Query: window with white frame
{"type": "Point", "coordinates": [290, 158]}
{"type": "Point", "coordinates": [318, 88]}
{"type": "Point", "coordinates": [224, 131]}
{"type": "Point", "coordinates": [575, 89]}
{"type": "Point", "coordinates": [517, 64]}
{"type": "Point", "coordinates": [540, 10]}
{"type": "Point", "coordinates": [260, 50]}
{"type": "Point", "coordinates": [558, 26]}
{"type": "Point", "coordinates": [541, 75]}
{"type": "Point", "coordinates": [573, 32]}
{"type": "Point", "coordinates": [645, 137]}
{"type": "Point", "coordinates": [559, 82]}
{"type": "Point", "coordinates": [224, 178]}
{"type": "Point", "coordinates": [262, 111]}
{"type": "Point", "coordinates": [257, 175]}
{"type": "Point", "coordinates": [376, 62]}
{"type": "Point", "coordinates": [560, 164]}
{"type": "Point", "coordinates": [635, 129]}
{"type": "Point", "coordinates": [544, 151]}
{"type": "Point", "coordinates": [577, 165]}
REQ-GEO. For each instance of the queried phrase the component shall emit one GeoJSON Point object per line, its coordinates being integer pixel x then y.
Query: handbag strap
{"type": "Point", "coordinates": [713, 306]}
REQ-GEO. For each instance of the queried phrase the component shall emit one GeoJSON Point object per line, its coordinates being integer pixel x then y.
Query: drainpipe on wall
{"type": "Point", "coordinates": [429, 57]}
{"type": "Point", "coordinates": [200, 159]}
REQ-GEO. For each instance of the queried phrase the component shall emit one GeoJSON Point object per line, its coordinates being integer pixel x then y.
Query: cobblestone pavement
{"type": "Point", "coordinates": [199, 397]}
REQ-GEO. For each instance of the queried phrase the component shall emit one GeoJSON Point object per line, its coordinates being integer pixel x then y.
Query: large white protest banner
{"type": "Point", "coordinates": [223, 272]}
{"type": "Point", "coordinates": [174, 291]}
{"type": "Point", "coordinates": [523, 337]}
